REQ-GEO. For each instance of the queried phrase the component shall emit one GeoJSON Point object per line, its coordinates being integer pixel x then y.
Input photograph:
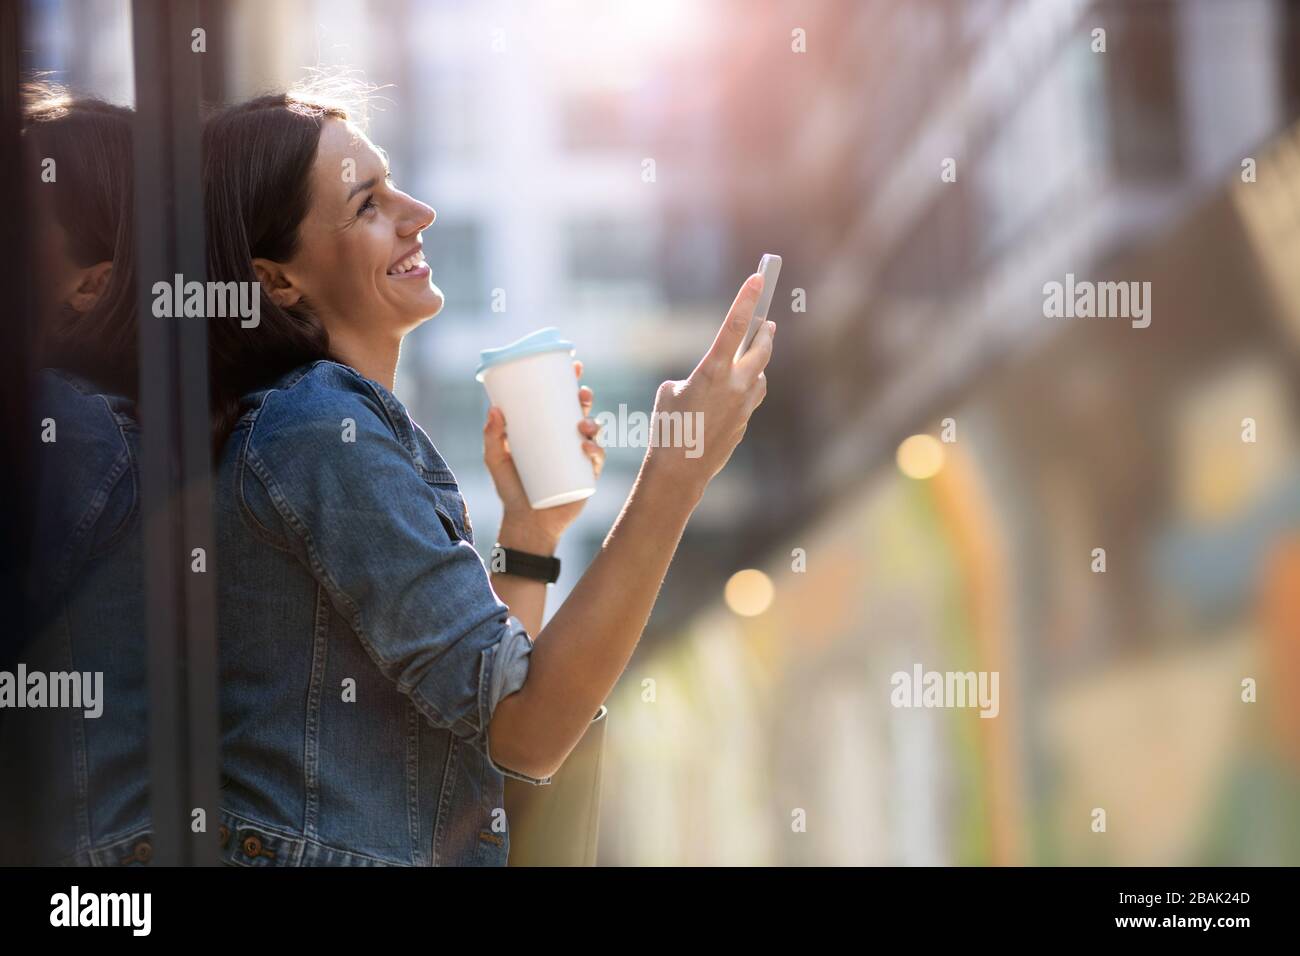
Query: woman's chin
{"type": "Point", "coordinates": [436, 301]}
{"type": "Point", "coordinates": [430, 304]}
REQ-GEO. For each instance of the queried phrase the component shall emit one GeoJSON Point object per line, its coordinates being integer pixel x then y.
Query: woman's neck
{"type": "Point", "coordinates": [374, 356]}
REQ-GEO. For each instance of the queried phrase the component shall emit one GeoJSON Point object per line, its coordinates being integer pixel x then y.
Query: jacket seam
{"type": "Point", "coordinates": [246, 513]}
{"type": "Point", "coordinates": [315, 689]}
{"type": "Point", "coordinates": [303, 840]}
{"type": "Point", "coordinates": [98, 502]}
{"type": "Point", "coordinates": [413, 720]}
{"type": "Point", "coordinates": [407, 440]}
{"type": "Point", "coordinates": [323, 576]}
{"type": "Point", "coordinates": [445, 797]}
{"type": "Point", "coordinates": [81, 763]}
{"type": "Point", "coordinates": [128, 471]}
{"type": "Point", "coordinates": [128, 520]}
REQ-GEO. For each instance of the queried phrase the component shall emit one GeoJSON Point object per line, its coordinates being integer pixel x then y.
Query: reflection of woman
{"type": "Point", "coordinates": [367, 659]}
{"type": "Point", "coordinates": [80, 169]}
{"type": "Point", "coordinates": [76, 780]}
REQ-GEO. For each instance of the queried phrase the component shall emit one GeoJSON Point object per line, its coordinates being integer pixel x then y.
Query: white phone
{"type": "Point", "coordinates": [769, 267]}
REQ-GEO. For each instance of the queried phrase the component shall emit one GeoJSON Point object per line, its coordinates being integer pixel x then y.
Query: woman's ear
{"type": "Point", "coordinates": [90, 285]}
{"type": "Point", "coordinates": [278, 286]}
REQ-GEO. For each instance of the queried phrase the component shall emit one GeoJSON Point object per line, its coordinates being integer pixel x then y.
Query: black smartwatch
{"type": "Point", "coordinates": [539, 567]}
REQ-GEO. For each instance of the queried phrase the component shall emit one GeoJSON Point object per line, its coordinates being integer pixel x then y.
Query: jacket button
{"type": "Point", "coordinates": [224, 834]}
{"type": "Point", "coordinates": [252, 846]}
{"type": "Point", "coordinates": [143, 852]}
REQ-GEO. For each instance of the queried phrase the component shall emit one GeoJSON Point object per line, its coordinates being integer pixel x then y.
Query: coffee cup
{"type": "Point", "coordinates": [532, 382]}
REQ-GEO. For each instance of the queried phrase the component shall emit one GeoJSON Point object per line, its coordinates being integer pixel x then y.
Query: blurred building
{"type": "Point", "coordinates": [1120, 691]}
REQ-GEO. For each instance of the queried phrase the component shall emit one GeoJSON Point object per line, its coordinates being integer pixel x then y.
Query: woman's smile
{"type": "Point", "coordinates": [410, 266]}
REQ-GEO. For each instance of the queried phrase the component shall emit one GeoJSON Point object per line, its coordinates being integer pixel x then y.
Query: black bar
{"type": "Point", "coordinates": [175, 459]}
{"type": "Point", "coordinates": [939, 904]}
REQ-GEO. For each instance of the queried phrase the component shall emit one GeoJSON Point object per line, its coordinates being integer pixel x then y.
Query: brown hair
{"type": "Point", "coordinates": [257, 164]}
{"type": "Point", "coordinates": [90, 143]}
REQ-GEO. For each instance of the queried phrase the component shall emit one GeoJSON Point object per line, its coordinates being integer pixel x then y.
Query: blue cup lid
{"type": "Point", "coordinates": [543, 340]}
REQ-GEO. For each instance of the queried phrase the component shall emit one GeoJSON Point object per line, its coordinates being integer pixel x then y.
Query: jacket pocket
{"type": "Point", "coordinates": [452, 510]}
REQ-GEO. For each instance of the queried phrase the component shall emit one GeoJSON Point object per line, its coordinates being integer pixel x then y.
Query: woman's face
{"type": "Point", "coordinates": [359, 263]}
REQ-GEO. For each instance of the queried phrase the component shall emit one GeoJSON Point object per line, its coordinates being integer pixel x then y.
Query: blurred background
{"type": "Point", "coordinates": [924, 168]}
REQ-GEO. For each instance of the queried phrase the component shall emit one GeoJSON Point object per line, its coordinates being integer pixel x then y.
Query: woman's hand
{"type": "Point", "coordinates": [720, 394]}
{"type": "Point", "coordinates": [527, 529]}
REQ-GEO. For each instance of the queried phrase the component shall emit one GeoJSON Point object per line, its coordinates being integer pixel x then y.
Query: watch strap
{"type": "Point", "coordinates": [539, 567]}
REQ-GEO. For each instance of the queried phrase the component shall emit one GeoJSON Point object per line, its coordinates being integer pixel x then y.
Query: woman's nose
{"type": "Point", "coordinates": [419, 217]}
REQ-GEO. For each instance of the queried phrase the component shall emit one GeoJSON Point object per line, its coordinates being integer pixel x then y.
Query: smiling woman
{"type": "Point", "coordinates": [377, 685]}
{"type": "Point", "coordinates": [328, 489]}
{"type": "Point", "coordinates": [357, 217]}
{"type": "Point", "coordinates": [320, 224]}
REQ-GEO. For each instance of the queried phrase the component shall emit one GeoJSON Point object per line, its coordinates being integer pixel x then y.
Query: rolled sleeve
{"type": "Point", "coordinates": [505, 668]}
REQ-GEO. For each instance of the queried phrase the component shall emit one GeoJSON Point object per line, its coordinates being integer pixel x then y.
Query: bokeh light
{"type": "Point", "coordinates": [749, 592]}
{"type": "Point", "coordinates": [920, 456]}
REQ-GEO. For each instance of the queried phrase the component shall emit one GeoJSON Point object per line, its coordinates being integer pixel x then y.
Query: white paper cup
{"type": "Point", "coordinates": [532, 382]}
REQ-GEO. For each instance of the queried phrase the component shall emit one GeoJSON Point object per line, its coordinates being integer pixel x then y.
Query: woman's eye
{"type": "Point", "coordinates": [367, 205]}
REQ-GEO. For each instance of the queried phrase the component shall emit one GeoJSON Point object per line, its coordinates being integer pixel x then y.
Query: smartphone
{"type": "Point", "coordinates": [769, 267]}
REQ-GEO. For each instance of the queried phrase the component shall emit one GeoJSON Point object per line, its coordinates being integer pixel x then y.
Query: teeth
{"type": "Point", "coordinates": [407, 264]}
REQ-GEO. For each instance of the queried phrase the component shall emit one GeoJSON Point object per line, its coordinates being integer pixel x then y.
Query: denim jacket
{"type": "Point", "coordinates": [362, 648]}
{"type": "Point", "coordinates": [76, 783]}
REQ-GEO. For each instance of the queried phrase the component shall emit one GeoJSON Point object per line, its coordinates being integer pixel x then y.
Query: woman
{"type": "Point", "coordinates": [377, 685]}
{"type": "Point", "coordinates": [76, 778]}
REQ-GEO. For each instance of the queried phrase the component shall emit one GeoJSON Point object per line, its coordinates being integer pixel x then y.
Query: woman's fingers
{"type": "Point", "coordinates": [759, 353]}
{"type": "Point", "coordinates": [757, 393]}
{"type": "Point", "coordinates": [589, 428]}
{"type": "Point", "coordinates": [585, 395]}
{"type": "Point", "coordinates": [597, 456]}
{"type": "Point", "coordinates": [735, 325]}
{"type": "Point", "coordinates": [495, 451]}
